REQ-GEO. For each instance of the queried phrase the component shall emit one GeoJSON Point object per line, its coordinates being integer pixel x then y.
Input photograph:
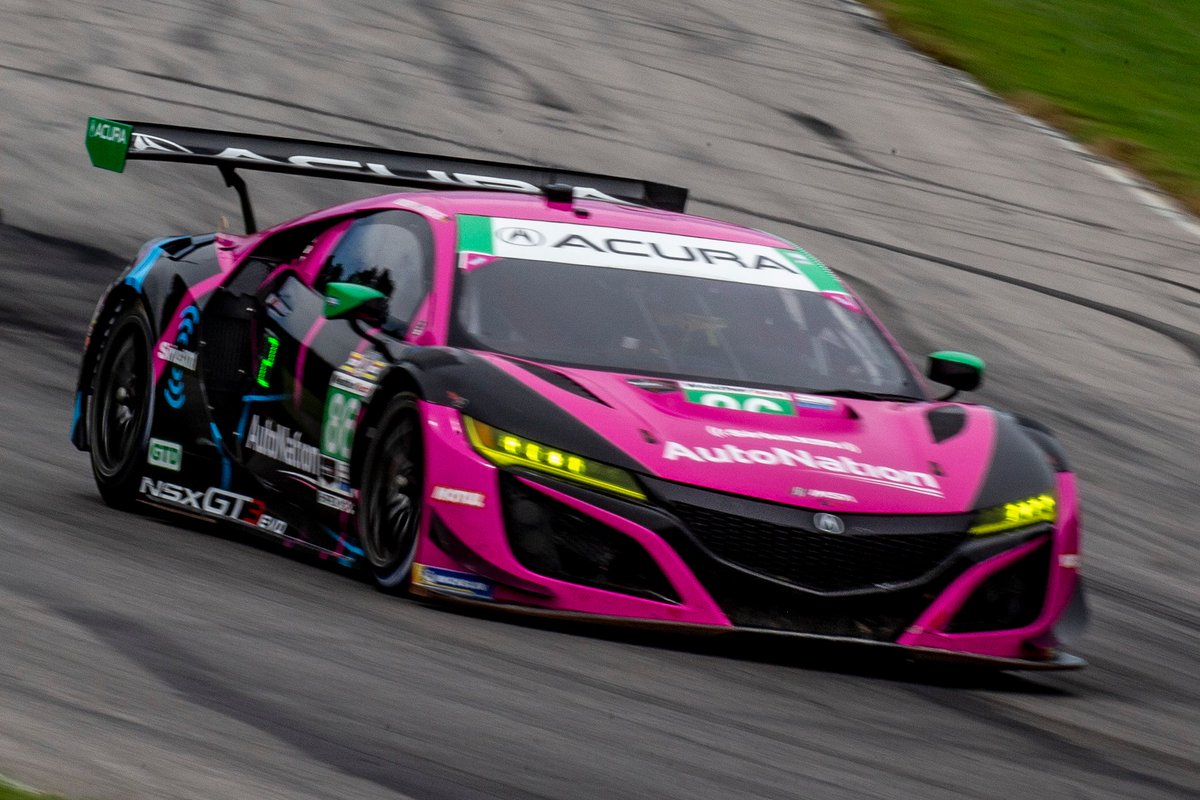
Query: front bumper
{"type": "Point", "coordinates": [701, 560]}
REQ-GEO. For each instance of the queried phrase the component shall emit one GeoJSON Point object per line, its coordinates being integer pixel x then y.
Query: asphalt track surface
{"type": "Point", "coordinates": [144, 659]}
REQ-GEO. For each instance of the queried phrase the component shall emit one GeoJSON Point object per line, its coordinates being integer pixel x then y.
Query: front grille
{"type": "Point", "coordinates": [819, 562]}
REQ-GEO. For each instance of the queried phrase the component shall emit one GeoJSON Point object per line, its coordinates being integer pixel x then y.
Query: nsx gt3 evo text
{"type": "Point", "coordinates": [554, 390]}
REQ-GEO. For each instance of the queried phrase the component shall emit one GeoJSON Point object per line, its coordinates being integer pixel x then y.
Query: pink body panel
{"type": "Point", "coordinates": [1033, 639]}
{"type": "Point", "coordinates": [857, 456]}
{"type": "Point", "coordinates": [481, 530]}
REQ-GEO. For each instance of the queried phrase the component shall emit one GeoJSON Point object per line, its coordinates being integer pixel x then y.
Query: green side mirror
{"type": "Point", "coordinates": [355, 301]}
{"type": "Point", "coordinates": [962, 372]}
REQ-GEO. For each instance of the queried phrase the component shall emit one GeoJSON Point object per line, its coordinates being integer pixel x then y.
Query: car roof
{"type": "Point", "coordinates": [514, 205]}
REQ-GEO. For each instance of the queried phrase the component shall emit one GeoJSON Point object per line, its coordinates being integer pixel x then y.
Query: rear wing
{"type": "Point", "coordinates": [110, 144]}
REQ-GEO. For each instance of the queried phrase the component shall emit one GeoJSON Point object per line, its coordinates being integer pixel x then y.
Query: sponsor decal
{"type": "Point", "coordinates": [144, 141]}
{"type": "Point", "coordinates": [472, 261]}
{"type": "Point", "coordinates": [735, 433]}
{"type": "Point", "coordinates": [521, 237]}
{"type": "Point", "coordinates": [364, 366]}
{"type": "Point", "coordinates": [173, 389]}
{"type": "Point", "coordinates": [242, 154]}
{"type": "Point", "coordinates": [329, 500]}
{"type": "Point", "coordinates": [828, 523]}
{"type": "Point", "coordinates": [355, 386]}
{"type": "Point", "coordinates": [281, 443]}
{"type": "Point", "coordinates": [620, 248]}
{"type": "Point", "coordinates": [167, 455]}
{"type": "Point", "coordinates": [453, 582]}
{"type": "Point", "coordinates": [214, 502]}
{"type": "Point", "coordinates": [107, 143]}
{"type": "Point", "coordinates": [815, 401]}
{"type": "Point", "coordinates": [173, 354]}
{"type": "Point", "coordinates": [740, 398]}
{"type": "Point", "coordinates": [821, 494]}
{"type": "Point", "coordinates": [108, 131]}
{"type": "Point", "coordinates": [908, 480]}
{"type": "Point", "coordinates": [335, 476]}
{"type": "Point", "coordinates": [459, 497]}
{"type": "Point", "coordinates": [350, 389]}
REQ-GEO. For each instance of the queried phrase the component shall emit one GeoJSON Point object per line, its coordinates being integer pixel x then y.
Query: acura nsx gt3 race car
{"type": "Point", "coordinates": [555, 391]}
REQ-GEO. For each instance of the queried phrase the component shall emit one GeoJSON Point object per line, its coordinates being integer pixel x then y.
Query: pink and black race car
{"type": "Point", "coordinates": [553, 391]}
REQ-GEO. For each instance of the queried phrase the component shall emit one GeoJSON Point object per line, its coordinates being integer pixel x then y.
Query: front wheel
{"type": "Point", "coordinates": [393, 487]}
{"type": "Point", "coordinates": [120, 406]}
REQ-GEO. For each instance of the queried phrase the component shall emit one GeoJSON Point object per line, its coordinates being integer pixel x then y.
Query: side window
{"type": "Point", "coordinates": [391, 251]}
{"type": "Point", "coordinates": [282, 248]}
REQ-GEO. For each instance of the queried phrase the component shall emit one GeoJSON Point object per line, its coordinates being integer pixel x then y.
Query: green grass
{"type": "Point", "coordinates": [1122, 76]}
{"type": "Point", "coordinates": [12, 793]}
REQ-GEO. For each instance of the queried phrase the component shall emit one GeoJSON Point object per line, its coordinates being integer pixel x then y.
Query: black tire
{"type": "Point", "coordinates": [119, 412]}
{"type": "Point", "coordinates": [393, 490]}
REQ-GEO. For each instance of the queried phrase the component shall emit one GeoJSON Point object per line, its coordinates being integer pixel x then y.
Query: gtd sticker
{"type": "Point", "coordinates": [167, 455]}
{"type": "Point", "coordinates": [761, 401]}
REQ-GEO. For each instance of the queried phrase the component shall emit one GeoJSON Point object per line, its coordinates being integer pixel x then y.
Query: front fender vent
{"type": "Point", "coordinates": [559, 379]}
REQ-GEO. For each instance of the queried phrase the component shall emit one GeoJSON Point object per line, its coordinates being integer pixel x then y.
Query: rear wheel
{"type": "Point", "coordinates": [120, 407]}
{"type": "Point", "coordinates": [393, 487]}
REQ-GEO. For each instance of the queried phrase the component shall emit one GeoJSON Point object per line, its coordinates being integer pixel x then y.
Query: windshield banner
{"type": "Point", "coordinates": [667, 253]}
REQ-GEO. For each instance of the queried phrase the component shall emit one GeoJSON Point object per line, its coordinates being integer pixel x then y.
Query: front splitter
{"type": "Point", "coordinates": [1055, 660]}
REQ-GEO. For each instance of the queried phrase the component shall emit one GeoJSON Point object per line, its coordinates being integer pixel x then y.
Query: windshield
{"type": "Point", "coordinates": [678, 326]}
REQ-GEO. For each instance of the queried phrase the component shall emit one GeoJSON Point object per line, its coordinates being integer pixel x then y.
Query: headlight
{"type": "Point", "coordinates": [1011, 516]}
{"type": "Point", "coordinates": [505, 449]}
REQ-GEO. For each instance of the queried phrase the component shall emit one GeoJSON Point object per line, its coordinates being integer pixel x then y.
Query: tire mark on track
{"type": "Point", "coordinates": [1186, 339]}
{"type": "Point", "coordinates": [389, 764]}
{"type": "Point", "coordinates": [816, 657]}
{"type": "Point", "coordinates": [840, 141]}
{"type": "Point", "coordinates": [265, 99]}
{"type": "Point", "coordinates": [469, 60]}
{"type": "Point", "coordinates": [1062, 739]}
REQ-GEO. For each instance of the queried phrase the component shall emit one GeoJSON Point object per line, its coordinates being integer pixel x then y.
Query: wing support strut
{"type": "Point", "coordinates": [234, 180]}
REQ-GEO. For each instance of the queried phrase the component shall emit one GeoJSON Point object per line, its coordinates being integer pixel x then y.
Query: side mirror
{"type": "Point", "coordinates": [355, 302]}
{"type": "Point", "coordinates": [962, 372]}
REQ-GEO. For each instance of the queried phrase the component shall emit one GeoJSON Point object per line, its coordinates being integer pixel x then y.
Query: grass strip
{"type": "Point", "coordinates": [1118, 75]}
{"type": "Point", "coordinates": [11, 790]}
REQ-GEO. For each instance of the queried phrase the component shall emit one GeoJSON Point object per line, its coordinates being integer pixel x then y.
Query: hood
{"type": "Point", "coordinates": [848, 455]}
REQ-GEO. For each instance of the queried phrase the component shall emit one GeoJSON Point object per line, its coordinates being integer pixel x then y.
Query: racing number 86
{"type": "Point", "coordinates": [341, 417]}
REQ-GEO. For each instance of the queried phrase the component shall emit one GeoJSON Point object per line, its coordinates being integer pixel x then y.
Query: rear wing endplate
{"type": "Point", "coordinates": [111, 143]}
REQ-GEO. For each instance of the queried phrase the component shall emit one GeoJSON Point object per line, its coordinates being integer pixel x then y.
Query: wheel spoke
{"type": "Point", "coordinates": [121, 395]}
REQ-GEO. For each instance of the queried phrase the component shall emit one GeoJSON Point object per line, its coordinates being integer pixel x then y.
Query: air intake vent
{"type": "Point", "coordinates": [558, 379]}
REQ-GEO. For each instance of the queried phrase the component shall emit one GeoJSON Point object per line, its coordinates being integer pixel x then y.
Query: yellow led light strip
{"type": "Point", "coordinates": [509, 450]}
{"type": "Point", "coordinates": [1020, 514]}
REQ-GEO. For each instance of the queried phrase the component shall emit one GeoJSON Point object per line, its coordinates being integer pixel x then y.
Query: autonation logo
{"type": "Point", "coordinates": [909, 480]}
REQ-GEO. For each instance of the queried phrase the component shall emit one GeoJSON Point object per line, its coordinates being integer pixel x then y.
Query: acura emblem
{"type": "Point", "coordinates": [829, 523]}
{"type": "Point", "coordinates": [521, 236]}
